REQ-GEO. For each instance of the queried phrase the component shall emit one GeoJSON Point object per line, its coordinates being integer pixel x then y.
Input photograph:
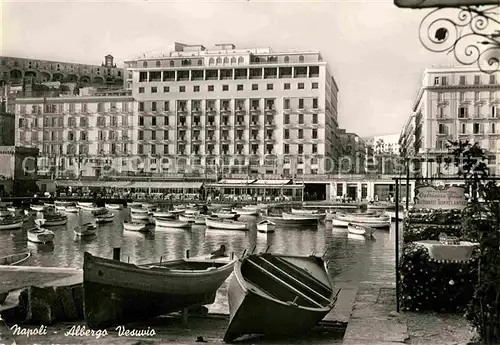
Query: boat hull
{"type": "Point", "coordinates": [360, 230]}
{"type": "Point", "coordinates": [253, 311]}
{"type": "Point", "coordinates": [233, 225]}
{"type": "Point", "coordinates": [135, 227]}
{"type": "Point", "coordinates": [116, 292]}
{"type": "Point", "coordinates": [40, 237]}
{"type": "Point", "coordinates": [222, 215]}
{"type": "Point", "coordinates": [14, 259]}
{"type": "Point", "coordinates": [104, 219]}
{"type": "Point", "coordinates": [13, 225]}
{"type": "Point", "coordinates": [114, 206]}
{"type": "Point", "coordinates": [140, 216]}
{"type": "Point", "coordinates": [310, 216]}
{"type": "Point", "coordinates": [266, 226]}
{"type": "Point", "coordinates": [293, 222]}
{"type": "Point", "coordinates": [172, 223]}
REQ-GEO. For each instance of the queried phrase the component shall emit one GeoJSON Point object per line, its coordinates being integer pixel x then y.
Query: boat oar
{"type": "Point", "coordinates": [269, 246]}
{"type": "Point", "coordinates": [244, 252]}
{"type": "Point", "coordinates": [253, 250]}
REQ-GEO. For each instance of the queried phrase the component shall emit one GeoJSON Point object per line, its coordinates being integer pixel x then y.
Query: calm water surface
{"type": "Point", "coordinates": [352, 258]}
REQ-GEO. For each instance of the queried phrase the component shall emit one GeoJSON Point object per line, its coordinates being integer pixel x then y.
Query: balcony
{"type": "Point", "coordinates": [270, 110]}
{"type": "Point", "coordinates": [225, 138]}
{"type": "Point", "coordinates": [240, 124]}
{"type": "Point", "coordinates": [210, 110]}
{"type": "Point", "coordinates": [241, 111]}
{"type": "Point", "coordinates": [255, 111]}
{"type": "Point", "coordinates": [182, 111]}
{"type": "Point", "coordinates": [211, 124]}
{"type": "Point", "coordinates": [196, 138]}
{"type": "Point", "coordinates": [270, 139]}
{"type": "Point", "coordinates": [255, 138]}
{"type": "Point", "coordinates": [254, 124]}
{"type": "Point", "coordinates": [240, 138]}
{"type": "Point", "coordinates": [210, 138]}
{"type": "Point", "coordinates": [270, 124]}
{"type": "Point", "coordinates": [225, 124]}
{"type": "Point", "coordinates": [226, 110]}
{"type": "Point", "coordinates": [195, 110]}
{"type": "Point", "coordinates": [181, 138]}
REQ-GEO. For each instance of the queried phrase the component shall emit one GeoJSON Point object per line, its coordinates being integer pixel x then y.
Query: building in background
{"type": "Point", "coordinates": [353, 153]}
{"type": "Point", "coordinates": [18, 171]}
{"type": "Point", "coordinates": [239, 111]}
{"type": "Point", "coordinates": [78, 135]}
{"type": "Point", "coordinates": [453, 103]}
{"type": "Point", "coordinates": [7, 118]}
{"type": "Point", "coordinates": [19, 71]}
{"type": "Point", "coordinates": [388, 143]}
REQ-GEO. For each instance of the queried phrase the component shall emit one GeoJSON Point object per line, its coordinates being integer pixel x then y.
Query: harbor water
{"type": "Point", "coordinates": [351, 258]}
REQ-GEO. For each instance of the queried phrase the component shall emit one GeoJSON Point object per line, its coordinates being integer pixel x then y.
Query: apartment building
{"type": "Point", "coordinates": [78, 135]}
{"type": "Point", "coordinates": [240, 110]}
{"type": "Point", "coordinates": [453, 103]}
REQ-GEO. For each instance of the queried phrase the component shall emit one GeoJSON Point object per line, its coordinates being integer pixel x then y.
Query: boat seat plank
{"type": "Point", "coordinates": [296, 280]}
{"type": "Point", "coordinates": [304, 273]}
{"type": "Point", "coordinates": [289, 287]}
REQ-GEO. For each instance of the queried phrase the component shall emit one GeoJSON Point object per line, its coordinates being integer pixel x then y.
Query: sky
{"type": "Point", "coordinates": [372, 46]}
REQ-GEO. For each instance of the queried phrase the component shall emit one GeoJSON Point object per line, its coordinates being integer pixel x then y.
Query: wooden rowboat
{"type": "Point", "coordinates": [303, 211]}
{"type": "Point", "coordinates": [225, 224]}
{"type": "Point", "coordinates": [11, 223]}
{"type": "Point", "coordinates": [117, 292]}
{"type": "Point", "coordinates": [358, 229]}
{"type": "Point", "coordinates": [40, 235]}
{"type": "Point", "coordinates": [278, 295]}
{"type": "Point", "coordinates": [14, 259]}
{"type": "Point", "coordinates": [266, 226]}
{"type": "Point", "coordinates": [114, 206]}
{"type": "Point", "coordinates": [104, 218]}
{"type": "Point", "coordinates": [246, 211]}
{"type": "Point", "coordinates": [171, 223]}
{"type": "Point", "coordinates": [87, 229]}
{"type": "Point", "coordinates": [226, 215]}
{"type": "Point", "coordinates": [309, 216]}
{"type": "Point", "coordinates": [141, 227]}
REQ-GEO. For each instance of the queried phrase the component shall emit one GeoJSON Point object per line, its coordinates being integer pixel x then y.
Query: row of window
{"type": "Point", "coordinates": [220, 60]}
{"type": "Point", "coordinates": [60, 108]}
{"type": "Point", "coordinates": [463, 80]}
{"type": "Point", "coordinates": [463, 112]}
{"type": "Point", "coordinates": [462, 96]}
{"type": "Point", "coordinates": [477, 128]}
{"type": "Point", "coordinates": [239, 87]}
{"type": "Point", "coordinates": [196, 149]}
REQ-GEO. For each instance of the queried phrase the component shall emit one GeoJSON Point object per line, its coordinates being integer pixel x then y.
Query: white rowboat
{"type": "Point", "coordinates": [171, 223]}
{"type": "Point", "coordinates": [266, 226]}
{"type": "Point", "coordinates": [40, 235]}
{"type": "Point", "coordinates": [225, 224]}
{"type": "Point", "coordinates": [358, 229]}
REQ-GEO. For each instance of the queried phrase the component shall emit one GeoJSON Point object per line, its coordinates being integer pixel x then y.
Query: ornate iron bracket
{"type": "Point", "coordinates": [472, 33]}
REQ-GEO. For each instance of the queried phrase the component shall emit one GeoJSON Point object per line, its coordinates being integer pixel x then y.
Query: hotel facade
{"type": "Point", "coordinates": [239, 110]}
{"type": "Point", "coordinates": [453, 103]}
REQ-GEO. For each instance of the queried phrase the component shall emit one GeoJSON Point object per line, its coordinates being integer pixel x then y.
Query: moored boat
{"type": "Point", "coordinates": [172, 223]}
{"type": "Point", "coordinates": [195, 219]}
{"type": "Point", "coordinates": [289, 294]}
{"type": "Point", "coordinates": [51, 220]}
{"type": "Point", "coordinates": [87, 229]}
{"type": "Point", "coordinates": [85, 203]}
{"type": "Point", "coordinates": [114, 206]}
{"type": "Point", "coordinates": [104, 218]}
{"type": "Point", "coordinates": [11, 223]}
{"type": "Point", "coordinates": [144, 291]}
{"type": "Point", "coordinates": [90, 208]}
{"type": "Point", "coordinates": [358, 229]}
{"type": "Point", "coordinates": [163, 214]}
{"type": "Point", "coordinates": [71, 209]}
{"type": "Point", "coordinates": [266, 226]}
{"type": "Point", "coordinates": [226, 214]}
{"type": "Point", "coordinates": [131, 226]}
{"type": "Point", "coordinates": [303, 211]}
{"type": "Point", "coordinates": [139, 216]}
{"type": "Point", "coordinates": [100, 211]}
{"type": "Point", "coordinates": [293, 222]}
{"type": "Point", "coordinates": [225, 224]}
{"type": "Point", "coordinates": [246, 211]}
{"type": "Point", "coordinates": [309, 216]}
{"type": "Point", "coordinates": [14, 259]}
{"type": "Point", "coordinates": [374, 222]}
{"type": "Point", "coordinates": [139, 210]}
{"type": "Point", "coordinates": [40, 235]}
{"type": "Point", "coordinates": [38, 208]}
{"type": "Point", "coordinates": [4, 212]}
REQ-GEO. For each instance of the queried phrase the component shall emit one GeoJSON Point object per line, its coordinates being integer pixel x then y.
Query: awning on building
{"type": "Point", "coordinates": [236, 182]}
{"type": "Point", "coordinates": [165, 185]}
{"type": "Point", "coordinates": [273, 182]}
{"type": "Point", "coordinates": [103, 184]}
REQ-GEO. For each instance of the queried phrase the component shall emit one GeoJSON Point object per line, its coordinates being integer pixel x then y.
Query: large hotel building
{"type": "Point", "coordinates": [241, 109]}
{"type": "Point", "coordinates": [251, 111]}
{"type": "Point", "coordinates": [453, 103]}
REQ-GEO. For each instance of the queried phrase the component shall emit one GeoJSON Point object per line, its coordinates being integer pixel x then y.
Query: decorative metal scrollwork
{"type": "Point", "coordinates": [473, 36]}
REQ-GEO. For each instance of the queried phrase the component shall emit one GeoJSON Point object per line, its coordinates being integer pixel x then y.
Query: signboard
{"type": "Point", "coordinates": [442, 3]}
{"type": "Point", "coordinates": [440, 197]}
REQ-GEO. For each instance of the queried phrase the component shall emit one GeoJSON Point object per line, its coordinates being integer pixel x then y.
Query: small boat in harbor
{"type": "Point", "coordinates": [71, 209]}
{"type": "Point", "coordinates": [51, 220]}
{"type": "Point", "coordinates": [87, 229]}
{"type": "Point", "coordinates": [4, 212]}
{"type": "Point", "coordinates": [358, 229]}
{"type": "Point", "coordinates": [163, 214]}
{"type": "Point", "coordinates": [131, 226]}
{"type": "Point", "coordinates": [382, 221]}
{"type": "Point", "coordinates": [304, 211]}
{"type": "Point", "coordinates": [38, 208]}
{"type": "Point", "coordinates": [85, 204]}
{"type": "Point", "coordinates": [114, 206]}
{"type": "Point", "coordinates": [90, 208]}
{"type": "Point", "coordinates": [40, 235]}
{"type": "Point", "coordinates": [172, 223]}
{"type": "Point", "coordinates": [246, 211]}
{"type": "Point", "coordinates": [139, 210]}
{"type": "Point", "coordinates": [104, 218]}
{"type": "Point", "coordinates": [223, 214]}
{"type": "Point", "coordinates": [266, 226]}
{"type": "Point", "coordinates": [288, 294]}
{"type": "Point", "coordinates": [139, 216]}
{"type": "Point", "coordinates": [195, 219]}
{"type": "Point", "coordinates": [293, 221]}
{"type": "Point", "coordinates": [145, 291]}
{"type": "Point", "coordinates": [14, 259]}
{"type": "Point", "coordinates": [309, 216]}
{"type": "Point", "coordinates": [100, 211]}
{"type": "Point", "coordinates": [11, 223]}
{"type": "Point", "coordinates": [225, 224]}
